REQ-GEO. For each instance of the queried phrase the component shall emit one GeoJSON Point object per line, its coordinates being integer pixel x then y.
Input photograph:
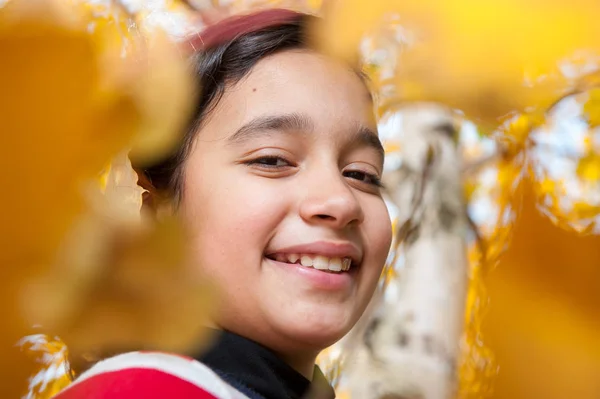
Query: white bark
{"type": "Point", "coordinates": [411, 344]}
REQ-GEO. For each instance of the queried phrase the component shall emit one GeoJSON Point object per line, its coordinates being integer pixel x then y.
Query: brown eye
{"type": "Point", "coordinates": [270, 162]}
{"type": "Point", "coordinates": [363, 177]}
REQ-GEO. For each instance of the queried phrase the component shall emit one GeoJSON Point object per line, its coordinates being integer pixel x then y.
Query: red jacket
{"type": "Point", "coordinates": [149, 375]}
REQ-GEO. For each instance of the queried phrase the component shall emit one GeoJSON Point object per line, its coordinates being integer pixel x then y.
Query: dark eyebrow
{"type": "Point", "coordinates": [368, 138]}
{"type": "Point", "coordinates": [295, 122]}
{"type": "Point", "coordinates": [262, 124]}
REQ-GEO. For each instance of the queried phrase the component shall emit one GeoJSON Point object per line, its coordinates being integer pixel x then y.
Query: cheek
{"type": "Point", "coordinates": [378, 235]}
{"type": "Point", "coordinates": [231, 222]}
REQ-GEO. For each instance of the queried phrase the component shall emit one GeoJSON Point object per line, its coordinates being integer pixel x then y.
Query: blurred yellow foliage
{"type": "Point", "coordinates": [547, 186]}
{"type": "Point", "coordinates": [115, 284]}
{"type": "Point", "coordinates": [515, 131]}
{"type": "Point", "coordinates": [589, 167]}
{"type": "Point", "coordinates": [61, 121]}
{"type": "Point", "coordinates": [72, 99]}
{"type": "Point", "coordinates": [67, 91]}
{"type": "Point", "coordinates": [592, 108]}
{"type": "Point", "coordinates": [83, 81]}
{"type": "Point", "coordinates": [488, 59]}
{"type": "Point", "coordinates": [477, 364]}
{"type": "Point", "coordinates": [53, 372]}
{"type": "Point", "coordinates": [542, 323]}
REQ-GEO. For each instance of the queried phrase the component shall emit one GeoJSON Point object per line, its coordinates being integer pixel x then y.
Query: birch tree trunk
{"type": "Point", "coordinates": [410, 345]}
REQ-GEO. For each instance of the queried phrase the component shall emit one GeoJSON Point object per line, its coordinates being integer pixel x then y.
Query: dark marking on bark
{"type": "Point", "coordinates": [404, 230]}
{"type": "Point", "coordinates": [368, 335]}
{"type": "Point", "coordinates": [481, 244]}
{"type": "Point", "coordinates": [429, 344]}
{"type": "Point", "coordinates": [403, 339]}
{"type": "Point", "coordinates": [452, 366]}
{"type": "Point", "coordinates": [416, 197]}
{"type": "Point", "coordinates": [413, 235]}
{"type": "Point", "coordinates": [447, 217]}
{"type": "Point", "coordinates": [446, 129]}
{"type": "Point", "coordinates": [429, 158]}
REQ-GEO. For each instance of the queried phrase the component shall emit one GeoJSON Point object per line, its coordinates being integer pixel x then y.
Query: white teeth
{"type": "Point", "coordinates": [335, 264]}
{"type": "Point", "coordinates": [306, 260]}
{"type": "Point", "coordinates": [321, 263]}
{"type": "Point", "coordinates": [346, 262]}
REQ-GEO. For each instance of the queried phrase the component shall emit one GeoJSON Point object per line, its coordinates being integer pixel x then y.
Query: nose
{"type": "Point", "coordinates": [329, 201]}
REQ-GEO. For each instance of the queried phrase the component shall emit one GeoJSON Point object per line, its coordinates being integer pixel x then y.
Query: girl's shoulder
{"type": "Point", "coordinates": [149, 375]}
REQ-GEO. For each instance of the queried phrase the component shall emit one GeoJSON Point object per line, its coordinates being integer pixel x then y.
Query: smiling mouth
{"type": "Point", "coordinates": [318, 262]}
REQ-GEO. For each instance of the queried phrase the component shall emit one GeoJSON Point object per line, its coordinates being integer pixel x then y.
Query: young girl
{"type": "Point", "coordinates": [278, 179]}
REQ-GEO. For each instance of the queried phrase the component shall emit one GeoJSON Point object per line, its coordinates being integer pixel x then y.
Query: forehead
{"type": "Point", "coordinates": [296, 82]}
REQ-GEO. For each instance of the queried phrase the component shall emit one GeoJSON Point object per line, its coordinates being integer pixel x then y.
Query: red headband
{"type": "Point", "coordinates": [232, 27]}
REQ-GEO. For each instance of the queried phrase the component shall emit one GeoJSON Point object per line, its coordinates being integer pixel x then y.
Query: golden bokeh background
{"type": "Point", "coordinates": [543, 323]}
{"type": "Point", "coordinates": [543, 283]}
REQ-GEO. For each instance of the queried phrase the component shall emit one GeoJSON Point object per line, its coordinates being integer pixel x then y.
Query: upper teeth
{"type": "Point", "coordinates": [317, 261]}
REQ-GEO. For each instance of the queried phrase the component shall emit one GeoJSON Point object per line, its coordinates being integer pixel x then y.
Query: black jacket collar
{"type": "Point", "coordinates": [258, 372]}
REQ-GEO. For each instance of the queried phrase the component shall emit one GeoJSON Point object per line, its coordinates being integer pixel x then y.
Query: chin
{"type": "Point", "coordinates": [317, 332]}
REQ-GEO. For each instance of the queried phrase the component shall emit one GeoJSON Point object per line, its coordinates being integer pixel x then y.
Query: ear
{"type": "Point", "coordinates": [155, 204]}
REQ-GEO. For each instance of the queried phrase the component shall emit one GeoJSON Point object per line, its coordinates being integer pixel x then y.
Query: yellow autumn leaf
{"type": "Point", "coordinates": [588, 167]}
{"type": "Point", "coordinates": [163, 93]}
{"type": "Point", "coordinates": [547, 187]}
{"type": "Point", "coordinates": [117, 277]}
{"type": "Point", "coordinates": [60, 126]}
{"type": "Point", "coordinates": [469, 188]}
{"type": "Point", "coordinates": [71, 100]}
{"type": "Point", "coordinates": [152, 71]}
{"type": "Point", "coordinates": [346, 23]}
{"type": "Point", "coordinates": [343, 395]}
{"type": "Point", "coordinates": [391, 147]}
{"type": "Point", "coordinates": [52, 372]}
{"type": "Point", "coordinates": [591, 108]}
{"type": "Point", "coordinates": [127, 300]}
{"type": "Point", "coordinates": [486, 58]}
{"type": "Point", "coordinates": [508, 173]}
{"type": "Point", "coordinates": [590, 80]}
{"type": "Point", "coordinates": [516, 131]}
{"type": "Point", "coordinates": [314, 4]}
{"type": "Point", "coordinates": [585, 210]}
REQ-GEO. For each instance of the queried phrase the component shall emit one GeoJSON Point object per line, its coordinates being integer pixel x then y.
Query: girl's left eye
{"type": "Point", "coordinates": [364, 177]}
{"type": "Point", "coordinates": [269, 162]}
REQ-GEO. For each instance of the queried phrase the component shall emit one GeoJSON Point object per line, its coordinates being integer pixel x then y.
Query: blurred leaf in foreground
{"type": "Point", "coordinates": [121, 282]}
{"type": "Point", "coordinates": [485, 58]}
{"type": "Point", "coordinates": [61, 122]}
{"type": "Point", "coordinates": [71, 101]}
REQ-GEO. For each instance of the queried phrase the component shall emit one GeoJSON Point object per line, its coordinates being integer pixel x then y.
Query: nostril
{"type": "Point", "coordinates": [325, 217]}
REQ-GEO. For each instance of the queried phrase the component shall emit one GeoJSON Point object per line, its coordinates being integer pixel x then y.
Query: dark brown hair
{"type": "Point", "coordinates": [217, 67]}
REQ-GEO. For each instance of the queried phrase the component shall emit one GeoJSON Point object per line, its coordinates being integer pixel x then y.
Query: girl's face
{"type": "Point", "coordinates": [283, 175]}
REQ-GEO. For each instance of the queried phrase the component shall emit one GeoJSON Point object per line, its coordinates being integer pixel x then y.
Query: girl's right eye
{"type": "Point", "coordinates": [271, 162]}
